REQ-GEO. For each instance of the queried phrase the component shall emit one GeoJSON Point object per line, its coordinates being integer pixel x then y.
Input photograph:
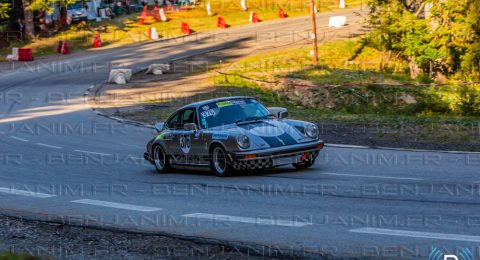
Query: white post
{"type": "Point", "coordinates": [243, 3]}
{"type": "Point", "coordinates": [209, 9]}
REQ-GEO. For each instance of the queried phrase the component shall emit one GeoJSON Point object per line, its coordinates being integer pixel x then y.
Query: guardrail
{"type": "Point", "coordinates": [9, 36]}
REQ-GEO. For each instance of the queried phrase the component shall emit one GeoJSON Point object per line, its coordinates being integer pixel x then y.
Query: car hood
{"type": "Point", "coordinates": [268, 133]}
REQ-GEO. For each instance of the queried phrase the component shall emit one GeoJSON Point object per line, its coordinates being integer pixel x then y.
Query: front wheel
{"type": "Point", "coordinates": [160, 160]}
{"type": "Point", "coordinates": [219, 162]}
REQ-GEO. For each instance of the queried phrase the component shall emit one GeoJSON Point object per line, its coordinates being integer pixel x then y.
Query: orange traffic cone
{"type": "Point", "coordinates": [156, 13]}
{"type": "Point", "coordinates": [254, 17]}
{"type": "Point", "coordinates": [221, 22]}
{"type": "Point", "coordinates": [143, 15]}
{"type": "Point", "coordinates": [186, 29]}
{"type": "Point", "coordinates": [144, 12]}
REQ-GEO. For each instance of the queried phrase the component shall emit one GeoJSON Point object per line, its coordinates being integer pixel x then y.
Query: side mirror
{"type": "Point", "coordinates": [159, 126]}
{"type": "Point", "coordinates": [279, 112]}
{"type": "Point", "coordinates": [190, 127]}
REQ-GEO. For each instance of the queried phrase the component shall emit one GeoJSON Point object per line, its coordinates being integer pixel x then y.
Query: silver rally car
{"type": "Point", "coordinates": [231, 134]}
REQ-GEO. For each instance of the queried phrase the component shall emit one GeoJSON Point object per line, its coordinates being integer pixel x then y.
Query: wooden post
{"type": "Point", "coordinates": [314, 33]}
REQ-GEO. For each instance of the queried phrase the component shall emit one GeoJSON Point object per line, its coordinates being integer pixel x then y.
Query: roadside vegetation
{"type": "Point", "coordinates": [348, 83]}
{"type": "Point", "coordinates": [10, 256]}
{"type": "Point", "coordinates": [126, 29]}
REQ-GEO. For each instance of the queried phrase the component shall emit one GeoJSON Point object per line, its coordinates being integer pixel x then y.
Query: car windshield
{"type": "Point", "coordinates": [231, 111]}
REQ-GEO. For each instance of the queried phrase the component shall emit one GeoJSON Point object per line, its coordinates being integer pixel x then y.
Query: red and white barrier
{"type": "Point", "coordinates": [63, 47]}
{"type": "Point", "coordinates": [25, 54]}
{"type": "Point", "coordinates": [14, 53]}
{"type": "Point", "coordinates": [20, 54]}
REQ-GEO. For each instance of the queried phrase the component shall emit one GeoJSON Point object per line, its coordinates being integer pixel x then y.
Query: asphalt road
{"type": "Point", "coordinates": [61, 161]}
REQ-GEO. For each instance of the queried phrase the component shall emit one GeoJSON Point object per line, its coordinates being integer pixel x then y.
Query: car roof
{"type": "Point", "coordinates": [204, 102]}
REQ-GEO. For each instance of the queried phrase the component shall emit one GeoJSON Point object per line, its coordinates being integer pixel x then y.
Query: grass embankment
{"type": "Point", "coordinates": [125, 29]}
{"type": "Point", "coordinates": [341, 62]}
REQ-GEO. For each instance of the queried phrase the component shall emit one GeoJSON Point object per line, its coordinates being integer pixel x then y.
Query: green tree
{"type": "Point", "coordinates": [4, 8]}
{"type": "Point", "coordinates": [456, 30]}
{"type": "Point", "coordinates": [436, 36]}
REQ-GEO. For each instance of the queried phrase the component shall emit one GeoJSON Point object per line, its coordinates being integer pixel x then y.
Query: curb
{"type": "Point", "coordinates": [88, 93]}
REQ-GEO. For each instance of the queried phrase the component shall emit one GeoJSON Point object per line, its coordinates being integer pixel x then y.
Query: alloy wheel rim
{"type": "Point", "coordinates": [219, 160]}
{"type": "Point", "coordinates": [159, 158]}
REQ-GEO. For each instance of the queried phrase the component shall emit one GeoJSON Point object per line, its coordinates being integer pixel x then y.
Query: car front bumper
{"type": "Point", "coordinates": [278, 156]}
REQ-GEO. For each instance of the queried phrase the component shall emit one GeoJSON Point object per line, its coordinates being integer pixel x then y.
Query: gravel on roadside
{"type": "Point", "coordinates": [56, 241]}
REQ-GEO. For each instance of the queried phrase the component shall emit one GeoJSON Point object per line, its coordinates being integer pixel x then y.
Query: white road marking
{"type": "Point", "coordinates": [347, 146]}
{"type": "Point", "coordinates": [416, 234]}
{"type": "Point", "coordinates": [372, 176]}
{"type": "Point", "coordinates": [26, 193]}
{"type": "Point", "coordinates": [2, 133]}
{"type": "Point", "coordinates": [116, 205]}
{"type": "Point", "coordinates": [19, 139]}
{"type": "Point", "coordinates": [49, 146]}
{"type": "Point", "coordinates": [258, 221]}
{"type": "Point", "coordinates": [83, 151]}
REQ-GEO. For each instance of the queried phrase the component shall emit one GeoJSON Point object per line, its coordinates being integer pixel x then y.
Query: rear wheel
{"type": "Point", "coordinates": [160, 160]}
{"type": "Point", "coordinates": [219, 162]}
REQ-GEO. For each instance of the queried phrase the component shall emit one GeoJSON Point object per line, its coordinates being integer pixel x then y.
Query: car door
{"type": "Point", "coordinates": [190, 139]}
{"type": "Point", "coordinates": [170, 136]}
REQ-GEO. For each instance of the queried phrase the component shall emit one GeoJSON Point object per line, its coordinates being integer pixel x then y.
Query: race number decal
{"type": "Point", "coordinates": [185, 143]}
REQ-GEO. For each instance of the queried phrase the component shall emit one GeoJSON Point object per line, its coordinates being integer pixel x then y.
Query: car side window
{"type": "Point", "coordinates": [174, 121]}
{"type": "Point", "coordinates": [188, 117]}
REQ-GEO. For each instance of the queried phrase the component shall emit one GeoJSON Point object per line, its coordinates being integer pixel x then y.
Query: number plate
{"type": "Point", "coordinates": [286, 160]}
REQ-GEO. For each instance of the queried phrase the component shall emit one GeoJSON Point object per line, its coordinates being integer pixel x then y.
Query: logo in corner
{"type": "Point", "coordinates": [437, 254]}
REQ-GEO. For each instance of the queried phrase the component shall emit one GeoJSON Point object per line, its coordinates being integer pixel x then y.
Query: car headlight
{"type": "Point", "coordinates": [311, 131]}
{"type": "Point", "coordinates": [243, 141]}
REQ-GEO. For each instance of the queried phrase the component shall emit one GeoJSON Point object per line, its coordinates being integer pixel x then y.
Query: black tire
{"type": "Point", "coordinates": [303, 165]}
{"type": "Point", "coordinates": [219, 162]}
{"type": "Point", "coordinates": [160, 159]}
